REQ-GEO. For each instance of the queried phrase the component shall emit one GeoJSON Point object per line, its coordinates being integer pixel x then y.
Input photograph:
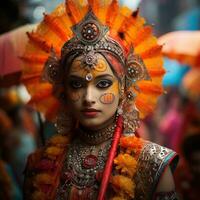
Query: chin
{"type": "Point", "coordinates": [92, 123]}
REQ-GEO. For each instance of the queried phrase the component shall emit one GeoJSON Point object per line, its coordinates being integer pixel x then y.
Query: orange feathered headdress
{"type": "Point", "coordinates": [126, 27]}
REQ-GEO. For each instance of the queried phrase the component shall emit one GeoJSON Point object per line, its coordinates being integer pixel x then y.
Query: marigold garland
{"type": "Point", "coordinates": [49, 166]}
{"type": "Point", "coordinates": [53, 152]}
{"type": "Point", "coordinates": [59, 141]}
{"type": "Point", "coordinates": [131, 144]}
{"type": "Point", "coordinates": [123, 185]}
{"type": "Point", "coordinates": [43, 179]}
{"type": "Point", "coordinates": [126, 166]}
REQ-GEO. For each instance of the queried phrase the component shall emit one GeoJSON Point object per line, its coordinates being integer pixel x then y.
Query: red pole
{"type": "Point", "coordinates": [109, 163]}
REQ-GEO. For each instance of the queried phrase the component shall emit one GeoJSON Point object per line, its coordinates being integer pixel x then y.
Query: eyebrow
{"type": "Point", "coordinates": [97, 77]}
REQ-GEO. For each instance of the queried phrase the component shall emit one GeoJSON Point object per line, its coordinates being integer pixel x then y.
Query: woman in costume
{"type": "Point", "coordinates": [101, 71]}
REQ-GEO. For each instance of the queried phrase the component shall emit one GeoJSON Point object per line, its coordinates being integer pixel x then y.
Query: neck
{"type": "Point", "coordinates": [100, 127]}
{"type": "Point", "coordinates": [100, 135]}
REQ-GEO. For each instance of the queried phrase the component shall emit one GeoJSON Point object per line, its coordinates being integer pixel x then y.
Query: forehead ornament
{"type": "Point", "coordinates": [89, 60]}
{"type": "Point", "coordinates": [89, 77]}
{"type": "Point", "coordinates": [89, 39]}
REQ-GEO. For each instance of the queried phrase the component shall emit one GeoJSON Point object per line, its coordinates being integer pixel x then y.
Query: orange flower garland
{"type": "Point", "coordinates": [123, 185]}
{"type": "Point", "coordinates": [126, 165]}
{"type": "Point", "coordinates": [46, 166]}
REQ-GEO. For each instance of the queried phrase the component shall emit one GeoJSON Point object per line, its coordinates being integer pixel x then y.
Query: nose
{"type": "Point", "coordinates": [89, 96]}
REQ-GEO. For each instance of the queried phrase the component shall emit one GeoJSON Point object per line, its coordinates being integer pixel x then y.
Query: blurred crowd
{"type": "Point", "coordinates": [175, 122]}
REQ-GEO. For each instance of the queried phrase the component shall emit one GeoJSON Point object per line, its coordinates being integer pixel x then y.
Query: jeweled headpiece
{"type": "Point", "coordinates": [97, 27]}
{"type": "Point", "coordinates": [90, 38]}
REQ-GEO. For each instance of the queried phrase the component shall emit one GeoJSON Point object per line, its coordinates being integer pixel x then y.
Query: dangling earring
{"type": "Point", "coordinates": [64, 122]}
{"type": "Point", "coordinates": [128, 111]}
{"type": "Point", "coordinates": [135, 70]}
{"type": "Point", "coordinates": [130, 114]}
{"type": "Point", "coordinates": [121, 98]}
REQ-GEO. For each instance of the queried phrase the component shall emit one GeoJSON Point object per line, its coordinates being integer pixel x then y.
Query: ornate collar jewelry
{"type": "Point", "coordinates": [97, 137]}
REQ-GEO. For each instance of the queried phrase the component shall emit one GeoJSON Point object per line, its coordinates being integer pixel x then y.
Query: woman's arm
{"type": "Point", "coordinates": [166, 187]}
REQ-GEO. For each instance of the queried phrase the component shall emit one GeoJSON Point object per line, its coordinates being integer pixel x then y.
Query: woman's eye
{"type": "Point", "coordinates": [104, 84]}
{"type": "Point", "coordinates": [76, 84]}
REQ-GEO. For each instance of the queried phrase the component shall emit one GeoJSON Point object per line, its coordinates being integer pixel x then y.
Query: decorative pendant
{"type": "Point", "coordinates": [90, 161]}
{"type": "Point", "coordinates": [67, 176]}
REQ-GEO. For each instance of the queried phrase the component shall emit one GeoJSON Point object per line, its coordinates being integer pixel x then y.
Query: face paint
{"type": "Point", "coordinates": [115, 88]}
{"type": "Point", "coordinates": [107, 98]}
{"type": "Point", "coordinates": [101, 66]}
{"type": "Point", "coordinates": [74, 96]}
{"type": "Point", "coordinates": [76, 66]}
{"type": "Point", "coordinates": [93, 103]}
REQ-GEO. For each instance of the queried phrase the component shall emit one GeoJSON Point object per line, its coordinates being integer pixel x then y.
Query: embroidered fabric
{"type": "Point", "coordinates": [151, 164]}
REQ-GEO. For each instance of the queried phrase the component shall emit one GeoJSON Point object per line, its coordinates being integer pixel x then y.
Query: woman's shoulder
{"type": "Point", "coordinates": [43, 168]}
{"type": "Point", "coordinates": [149, 153]}
{"type": "Point", "coordinates": [153, 160]}
{"type": "Point", "coordinates": [155, 155]}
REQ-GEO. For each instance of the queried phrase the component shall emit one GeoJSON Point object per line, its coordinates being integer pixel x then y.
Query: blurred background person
{"type": "Point", "coordinates": [8, 183]}
{"type": "Point", "coordinates": [188, 173]}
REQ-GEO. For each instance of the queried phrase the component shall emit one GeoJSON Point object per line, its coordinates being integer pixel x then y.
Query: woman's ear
{"type": "Point", "coordinates": [122, 87]}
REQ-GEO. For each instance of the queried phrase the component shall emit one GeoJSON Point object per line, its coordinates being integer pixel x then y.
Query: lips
{"type": "Point", "coordinates": [90, 112]}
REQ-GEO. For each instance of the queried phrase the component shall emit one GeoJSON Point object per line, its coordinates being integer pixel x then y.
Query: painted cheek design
{"type": "Point", "coordinates": [115, 87]}
{"type": "Point", "coordinates": [107, 98]}
{"type": "Point", "coordinates": [77, 67]}
{"type": "Point", "coordinates": [74, 96]}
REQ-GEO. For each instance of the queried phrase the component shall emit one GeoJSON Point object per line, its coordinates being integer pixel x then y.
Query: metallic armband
{"type": "Point", "coordinates": [166, 196]}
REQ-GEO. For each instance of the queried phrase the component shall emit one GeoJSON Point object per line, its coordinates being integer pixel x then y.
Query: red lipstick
{"type": "Point", "coordinates": [90, 112]}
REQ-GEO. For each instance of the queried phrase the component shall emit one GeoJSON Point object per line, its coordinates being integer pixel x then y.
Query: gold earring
{"type": "Point", "coordinates": [64, 122]}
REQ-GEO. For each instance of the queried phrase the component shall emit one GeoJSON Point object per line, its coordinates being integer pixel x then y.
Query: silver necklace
{"type": "Point", "coordinates": [97, 137]}
{"type": "Point", "coordinates": [83, 167]}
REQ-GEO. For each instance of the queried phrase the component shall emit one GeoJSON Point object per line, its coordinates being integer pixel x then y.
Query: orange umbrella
{"type": "Point", "coordinates": [184, 46]}
{"type": "Point", "coordinates": [12, 45]}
